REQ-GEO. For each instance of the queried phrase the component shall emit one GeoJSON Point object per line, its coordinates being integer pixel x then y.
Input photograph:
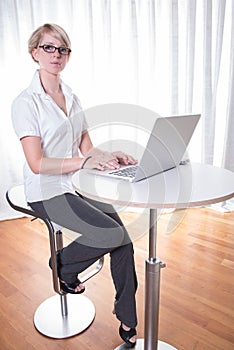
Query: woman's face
{"type": "Point", "coordinates": [52, 62]}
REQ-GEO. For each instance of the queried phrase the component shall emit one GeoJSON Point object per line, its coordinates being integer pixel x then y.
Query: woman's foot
{"type": "Point", "coordinates": [128, 335]}
{"type": "Point", "coordinates": [80, 288]}
{"type": "Point", "coordinates": [74, 288]}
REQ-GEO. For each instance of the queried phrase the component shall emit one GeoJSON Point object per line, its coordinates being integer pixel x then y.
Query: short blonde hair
{"type": "Point", "coordinates": [58, 32]}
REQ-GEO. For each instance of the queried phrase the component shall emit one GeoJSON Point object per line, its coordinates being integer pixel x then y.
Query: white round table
{"type": "Point", "coordinates": [189, 185]}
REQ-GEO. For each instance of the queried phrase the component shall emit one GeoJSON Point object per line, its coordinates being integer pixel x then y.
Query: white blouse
{"type": "Point", "coordinates": [34, 113]}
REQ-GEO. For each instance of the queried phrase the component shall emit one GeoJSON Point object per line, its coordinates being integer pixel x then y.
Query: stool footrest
{"type": "Point", "coordinates": [94, 271]}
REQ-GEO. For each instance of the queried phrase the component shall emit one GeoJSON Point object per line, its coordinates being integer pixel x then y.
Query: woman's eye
{"type": "Point", "coordinates": [49, 48]}
{"type": "Point", "coordinates": [63, 50]}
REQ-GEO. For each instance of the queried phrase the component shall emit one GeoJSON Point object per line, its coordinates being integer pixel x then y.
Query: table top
{"type": "Point", "coordinates": [185, 186]}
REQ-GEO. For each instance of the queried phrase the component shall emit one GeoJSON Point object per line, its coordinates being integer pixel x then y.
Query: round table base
{"type": "Point", "coordinates": [140, 346]}
{"type": "Point", "coordinates": [49, 321]}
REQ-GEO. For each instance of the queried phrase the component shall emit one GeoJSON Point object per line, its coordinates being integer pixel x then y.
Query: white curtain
{"type": "Point", "coordinates": [171, 56]}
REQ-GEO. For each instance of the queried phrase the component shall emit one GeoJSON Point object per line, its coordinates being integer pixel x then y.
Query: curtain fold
{"type": "Point", "coordinates": [174, 56]}
{"type": "Point", "coordinates": [170, 56]}
{"type": "Point", "coordinates": [135, 47]}
{"type": "Point", "coordinates": [190, 29]}
{"type": "Point", "coordinates": [208, 117]}
{"type": "Point", "coordinates": [213, 43]}
{"type": "Point", "coordinates": [228, 153]}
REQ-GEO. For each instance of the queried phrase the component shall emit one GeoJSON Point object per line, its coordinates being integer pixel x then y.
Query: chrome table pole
{"type": "Point", "coordinates": [152, 294]}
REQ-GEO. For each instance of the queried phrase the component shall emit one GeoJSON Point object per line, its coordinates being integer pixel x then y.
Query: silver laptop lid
{"type": "Point", "coordinates": [167, 144]}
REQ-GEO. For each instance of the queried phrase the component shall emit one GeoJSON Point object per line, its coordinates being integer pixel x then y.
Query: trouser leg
{"type": "Point", "coordinates": [101, 232]}
{"type": "Point", "coordinates": [125, 281]}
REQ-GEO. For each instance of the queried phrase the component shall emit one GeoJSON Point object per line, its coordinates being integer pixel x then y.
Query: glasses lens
{"type": "Point", "coordinates": [64, 50]}
{"type": "Point", "coordinates": [48, 48]}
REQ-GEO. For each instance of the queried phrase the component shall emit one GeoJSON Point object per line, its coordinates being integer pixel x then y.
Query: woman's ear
{"type": "Point", "coordinates": [35, 54]}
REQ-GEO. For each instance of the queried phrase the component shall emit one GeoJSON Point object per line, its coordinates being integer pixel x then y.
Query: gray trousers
{"type": "Point", "coordinates": [101, 231]}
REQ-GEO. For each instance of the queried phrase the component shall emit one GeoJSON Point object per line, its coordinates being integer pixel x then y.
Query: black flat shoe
{"type": "Point", "coordinates": [127, 335]}
{"type": "Point", "coordinates": [70, 287]}
{"type": "Point", "coordinates": [66, 287]}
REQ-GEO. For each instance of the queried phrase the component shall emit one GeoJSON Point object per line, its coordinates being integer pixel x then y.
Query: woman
{"type": "Point", "coordinates": [51, 126]}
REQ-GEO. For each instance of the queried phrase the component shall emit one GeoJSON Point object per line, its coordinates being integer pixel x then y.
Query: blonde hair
{"type": "Point", "coordinates": [58, 32]}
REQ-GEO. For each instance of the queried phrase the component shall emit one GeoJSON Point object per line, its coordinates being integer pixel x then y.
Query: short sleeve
{"type": "Point", "coordinates": [24, 118]}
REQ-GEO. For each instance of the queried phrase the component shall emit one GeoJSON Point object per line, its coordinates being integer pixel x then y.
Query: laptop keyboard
{"type": "Point", "coordinates": [125, 172]}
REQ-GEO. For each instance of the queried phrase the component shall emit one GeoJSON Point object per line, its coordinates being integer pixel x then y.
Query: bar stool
{"type": "Point", "coordinates": [76, 312]}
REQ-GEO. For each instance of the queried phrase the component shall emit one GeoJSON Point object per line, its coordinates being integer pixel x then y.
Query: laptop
{"type": "Point", "coordinates": [165, 149]}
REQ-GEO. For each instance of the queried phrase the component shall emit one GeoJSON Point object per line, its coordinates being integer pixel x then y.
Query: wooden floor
{"type": "Point", "coordinates": [197, 286]}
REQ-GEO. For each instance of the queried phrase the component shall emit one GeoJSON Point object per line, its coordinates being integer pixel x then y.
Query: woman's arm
{"type": "Point", "coordinates": [42, 165]}
{"type": "Point", "coordinates": [97, 159]}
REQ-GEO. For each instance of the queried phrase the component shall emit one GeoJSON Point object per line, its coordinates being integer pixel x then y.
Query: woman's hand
{"type": "Point", "coordinates": [124, 158]}
{"type": "Point", "coordinates": [107, 160]}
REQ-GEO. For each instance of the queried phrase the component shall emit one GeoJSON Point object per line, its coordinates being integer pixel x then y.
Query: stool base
{"type": "Point", "coordinates": [49, 321]}
{"type": "Point", "coordinates": [140, 346]}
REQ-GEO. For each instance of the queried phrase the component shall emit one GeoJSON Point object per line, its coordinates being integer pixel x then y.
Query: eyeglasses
{"type": "Point", "coordinates": [51, 49]}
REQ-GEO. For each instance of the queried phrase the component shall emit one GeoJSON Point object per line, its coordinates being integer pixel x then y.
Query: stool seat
{"type": "Point", "coordinates": [62, 315]}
